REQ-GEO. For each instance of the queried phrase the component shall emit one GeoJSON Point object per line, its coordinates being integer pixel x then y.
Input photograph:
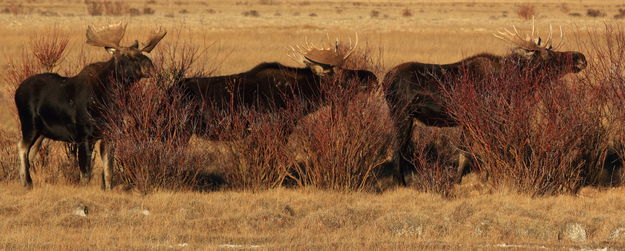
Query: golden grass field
{"type": "Point", "coordinates": [305, 219]}
{"type": "Point", "coordinates": [395, 31]}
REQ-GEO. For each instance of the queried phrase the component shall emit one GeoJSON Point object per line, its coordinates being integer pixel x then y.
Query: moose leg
{"type": "Point", "coordinates": [403, 150]}
{"type": "Point", "coordinates": [35, 148]}
{"type": "Point", "coordinates": [23, 147]}
{"type": "Point", "coordinates": [85, 149]}
{"type": "Point", "coordinates": [463, 164]}
{"type": "Point", "coordinates": [406, 149]}
{"type": "Point", "coordinates": [106, 154]}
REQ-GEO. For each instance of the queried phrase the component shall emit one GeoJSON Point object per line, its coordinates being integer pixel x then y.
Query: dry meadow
{"type": "Point", "coordinates": [230, 36]}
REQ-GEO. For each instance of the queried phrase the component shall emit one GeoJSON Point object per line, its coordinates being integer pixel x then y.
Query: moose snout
{"type": "Point", "coordinates": [579, 62]}
{"type": "Point", "coordinates": [147, 70]}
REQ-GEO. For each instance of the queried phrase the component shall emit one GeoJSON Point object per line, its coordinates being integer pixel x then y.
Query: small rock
{"type": "Point", "coordinates": [574, 232]}
{"type": "Point", "coordinates": [138, 210]}
{"type": "Point", "coordinates": [618, 234]}
{"type": "Point", "coordinates": [81, 211]}
{"type": "Point", "coordinates": [404, 225]}
{"type": "Point", "coordinates": [406, 229]}
{"type": "Point", "coordinates": [289, 211]}
{"type": "Point", "coordinates": [484, 227]}
{"type": "Point", "coordinates": [181, 245]}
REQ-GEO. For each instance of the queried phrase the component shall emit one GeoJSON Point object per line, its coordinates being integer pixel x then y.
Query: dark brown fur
{"type": "Point", "coordinates": [268, 87]}
{"type": "Point", "coordinates": [69, 109]}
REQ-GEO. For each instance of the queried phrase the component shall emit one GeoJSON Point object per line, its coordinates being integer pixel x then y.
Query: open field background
{"type": "Point", "coordinates": [237, 35]}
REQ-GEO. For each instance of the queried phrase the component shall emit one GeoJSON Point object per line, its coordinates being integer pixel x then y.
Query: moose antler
{"type": "Point", "coordinates": [327, 56]}
{"type": "Point", "coordinates": [153, 39]}
{"type": "Point", "coordinates": [106, 36]}
{"type": "Point", "coordinates": [529, 42]}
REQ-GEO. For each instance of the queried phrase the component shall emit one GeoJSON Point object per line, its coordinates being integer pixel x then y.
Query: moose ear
{"type": "Point", "coordinates": [110, 50]}
{"type": "Point", "coordinates": [135, 45]}
{"type": "Point", "coordinates": [319, 70]}
{"type": "Point", "coordinates": [316, 69]}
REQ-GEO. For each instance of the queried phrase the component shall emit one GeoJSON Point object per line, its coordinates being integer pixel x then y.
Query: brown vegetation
{"type": "Point", "coordinates": [250, 208]}
{"type": "Point", "coordinates": [251, 13]}
{"type": "Point", "coordinates": [608, 78]}
{"type": "Point", "coordinates": [53, 217]}
{"type": "Point", "coordinates": [107, 8]}
{"type": "Point", "coordinates": [620, 15]}
{"type": "Point", "coordinates": [526, 11]}
{"type": "Point", "coordinates": [537, 139]}
{"type": "Point", "coordinates": [436, 159]}
{"type": "Point", "coordinates": [336, 133]}
{"type": "Point", "coordinates": [135, 127]}
{"type": "Point", "coordinates": [595, 13]}
{"type": "Point", "coordinates": [518, 144]}
{"type": "Point", "coordinates": [49, 48]}
{"type": "Point", "coordinates": [406, 13]}
{"type": "Point", "coordinates": [345, 146]}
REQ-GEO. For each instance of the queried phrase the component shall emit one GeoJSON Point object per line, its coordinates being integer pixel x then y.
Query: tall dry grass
{"type": "Point", "coordinates": [607, 74]}
{"type": "Point", "coordinates": [555, 147]}
{"type": "Point", "coordinates": [338, 147]}
{"type": "Point", "coordinates": [44, 218]}
{"type": "Point", "coordinates": [20, 68]}
{"type": "Point", "coordinates": [108, 8]}
{"type": "Point", "coordinates": [526, 11]}
{"type": "Point", "coordinates": [346, 149]}
{"type": "Point", "coordinates": [145, 122]}
{"type": "Point", "coordinates": [341, 145]}
{"type": "Point", "coordinates": [8, 158]}
{"type": "Point", "coordinates": [530, 135]}
{"type": "Point", "coordinates": [436, 157]}
{"type": "Point", "coordinates": [49, 48]}
{"type": "Point", "coordinates": [259, 157]}
{"type": "Point", "coordinates": [179, 57]}
{"type": "Point", "coordinates": [135, 124]}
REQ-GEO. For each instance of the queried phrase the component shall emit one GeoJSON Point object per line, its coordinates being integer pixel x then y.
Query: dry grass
{"type": "Point", "coordinates": [436, 157]}
{"type": "Point", "coordinates": [526, 11]}
{"type": "Point", "coordinates": [302, 219]}
{"type": "Point", "coordinates": [107, 8]}
{"type": "Point", "coordinates": [281, 218]}
{"type": "Point", "coordinates": [531, 136]}
{"type": "Point", "coordinates": [345, 149]}
{"type": "Point", "coordinates": [595, 13]}
{"type": "Point", "coordinates": [49, 49]}
{"type": "Point", "coordinates": [135, 128]}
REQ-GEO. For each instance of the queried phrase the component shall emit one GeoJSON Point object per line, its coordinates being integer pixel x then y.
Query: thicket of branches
{"type": "Point", "coordinates": [536, 138]}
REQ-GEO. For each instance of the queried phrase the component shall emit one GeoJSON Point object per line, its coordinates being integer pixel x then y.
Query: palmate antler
{"type": "Point", "coordinates": [111, 35]}
{"type": "Point", "coordinates": [106, 36]}
{"type": "Point", "coordinates": [531, 41]}
{"type": "Point", "coordinates": [326, 56]}
{"type": "Point", "coordinates": [153, 39]}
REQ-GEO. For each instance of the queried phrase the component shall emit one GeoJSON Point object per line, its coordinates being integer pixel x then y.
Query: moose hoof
{"type": "Point", "coordinates": [106, 187]}
{"type": "Point", "coordinates": [27, 185]}
{"type": "Point", "coordinates": [84, 180]}
{"type": "Point", "coordinates": [105, 184]}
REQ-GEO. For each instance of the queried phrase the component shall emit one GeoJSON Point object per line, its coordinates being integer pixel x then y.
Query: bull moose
{"type": "Point", "coordinates": [416, 89]}
{"type": "Point", "coordinates": [69, 109]}
{"type": "Point", "coordinates": [271, 86]}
